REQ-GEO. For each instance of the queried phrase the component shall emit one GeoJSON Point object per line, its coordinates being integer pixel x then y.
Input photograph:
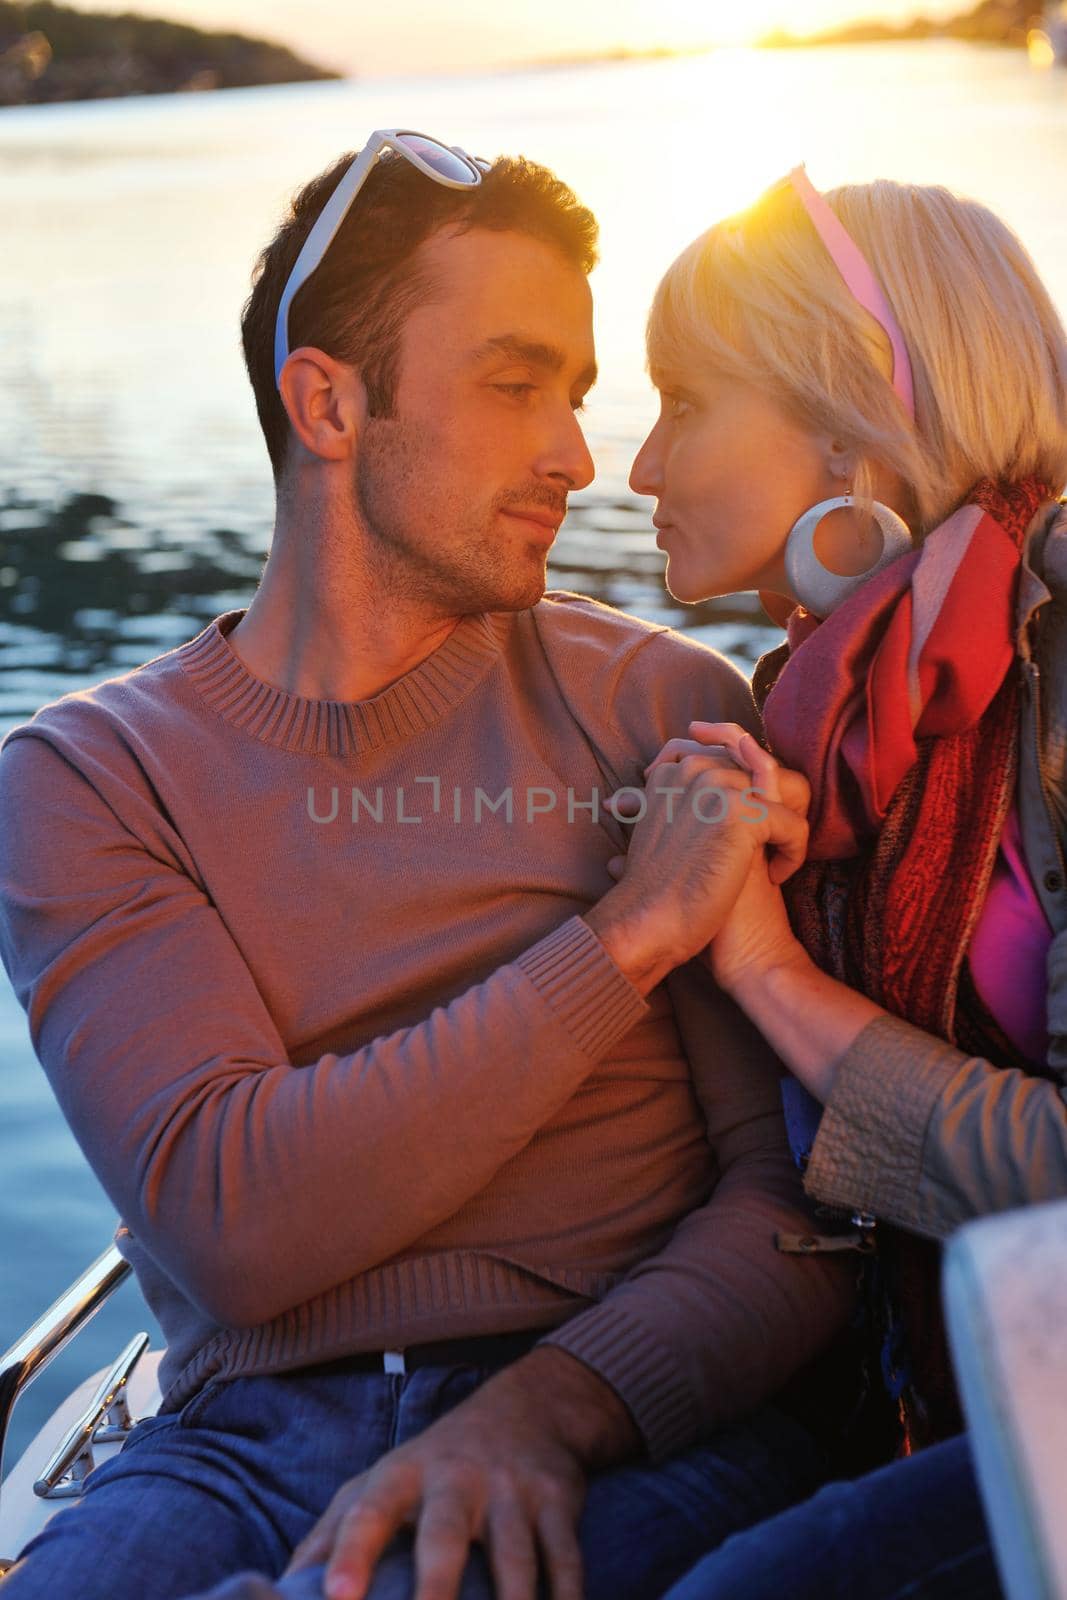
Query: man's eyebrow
{"type": "Point", "coordinates": [515, 348]}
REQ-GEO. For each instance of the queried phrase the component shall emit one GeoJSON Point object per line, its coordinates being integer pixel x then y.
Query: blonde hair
{"type": "Point", "coordinates": [758, 297]}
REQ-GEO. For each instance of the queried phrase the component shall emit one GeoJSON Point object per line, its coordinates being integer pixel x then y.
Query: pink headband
{"type": "Point", "coordinates": [855, 269]}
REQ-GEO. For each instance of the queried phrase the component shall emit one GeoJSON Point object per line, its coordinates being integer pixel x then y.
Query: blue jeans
{"type": "Point", "coordinates": [912, 1529]}
{"type": "Point", "coordinates": [229, 1485]}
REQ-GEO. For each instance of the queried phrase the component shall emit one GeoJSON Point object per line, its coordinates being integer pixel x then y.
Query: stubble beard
{"type": "Point", "coordinates": [426, 549]}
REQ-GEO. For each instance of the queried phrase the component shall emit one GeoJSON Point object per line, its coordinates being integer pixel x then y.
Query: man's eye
{"type": "Point", "coordinates": [515, 389]}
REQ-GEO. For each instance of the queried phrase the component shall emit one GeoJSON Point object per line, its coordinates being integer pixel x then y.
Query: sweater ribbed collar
{"type": "Point", "coordinates": [341, 727]}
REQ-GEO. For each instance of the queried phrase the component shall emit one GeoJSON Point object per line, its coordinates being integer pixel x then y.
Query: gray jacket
{"type": "Point", "coordinates": [916, 1131]}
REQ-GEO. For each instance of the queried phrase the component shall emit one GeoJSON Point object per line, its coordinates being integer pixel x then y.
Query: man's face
{"type": "Point", "coordinates": [464, 488]}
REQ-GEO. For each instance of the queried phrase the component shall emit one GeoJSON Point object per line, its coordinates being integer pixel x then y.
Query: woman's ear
{"type": "Point", "coordinates": [841, 460]}
{"type": "Point", "coordinates": [325, 401]}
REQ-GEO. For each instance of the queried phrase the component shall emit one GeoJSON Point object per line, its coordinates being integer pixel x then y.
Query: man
{"type": "Point", "coordinates": [312, 921]}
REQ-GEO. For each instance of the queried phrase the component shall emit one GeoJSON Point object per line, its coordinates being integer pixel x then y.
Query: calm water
{"type": "Point", "coordinates": [134, 492]}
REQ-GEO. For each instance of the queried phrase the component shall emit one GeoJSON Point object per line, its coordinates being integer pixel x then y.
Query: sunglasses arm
{"type": "Point", "coordinates": [319, 240]}
{"type": "Point", "coordinates": [339, 204]}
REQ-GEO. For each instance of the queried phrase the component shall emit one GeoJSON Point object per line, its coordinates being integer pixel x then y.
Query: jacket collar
{"type": "Point", "coordinates": [1044, 567]}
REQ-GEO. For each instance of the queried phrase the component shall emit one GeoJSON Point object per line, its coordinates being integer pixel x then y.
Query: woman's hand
{"type": "Point", "coordinates": [809, 1019]}
{"type": "Point", "coordinates": [756, 934]}
{"type": "Point", "coordinates": [755, 938]}
{"type": "Point", "coordinates": [701, 821]}
{"type": "Point", "coordinates": [731, 748]}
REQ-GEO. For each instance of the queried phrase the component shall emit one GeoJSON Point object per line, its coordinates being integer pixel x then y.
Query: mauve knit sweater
{"type": "Point", "coordinates": [355, 1081]}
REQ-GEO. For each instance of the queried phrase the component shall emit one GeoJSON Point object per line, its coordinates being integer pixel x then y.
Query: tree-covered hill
{"type": "Point", "coordinates": [52, 52]}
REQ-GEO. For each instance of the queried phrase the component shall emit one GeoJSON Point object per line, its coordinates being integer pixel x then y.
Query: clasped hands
{"type": "Point", "coordinates": [720, 826]}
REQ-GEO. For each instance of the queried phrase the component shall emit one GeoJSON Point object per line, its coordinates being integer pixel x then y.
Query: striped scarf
{"type": "Point", "coordinates": [902, 709]}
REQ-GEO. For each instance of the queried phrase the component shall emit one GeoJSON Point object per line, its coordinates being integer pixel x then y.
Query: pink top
{"type": "Point", "coordinates": [1009, 948]}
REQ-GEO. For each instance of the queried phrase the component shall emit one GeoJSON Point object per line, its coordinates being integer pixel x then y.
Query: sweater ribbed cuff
{"type": "Point", "coordinates": [595, 1002]}
{"type": "Point", "coordinates": [644, 1373]}
{"type": "Point", "coordinates": [868, 1152]}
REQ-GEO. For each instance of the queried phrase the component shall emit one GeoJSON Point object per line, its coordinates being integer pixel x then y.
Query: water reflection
{"type": "Point", "coordinates": [86, 592]}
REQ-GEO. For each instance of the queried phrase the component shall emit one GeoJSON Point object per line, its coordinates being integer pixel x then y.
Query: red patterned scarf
{"type": "Point", "coordinates": [902, 710]}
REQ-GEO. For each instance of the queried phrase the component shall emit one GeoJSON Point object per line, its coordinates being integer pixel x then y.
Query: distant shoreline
{"type": "Point", "coordinates": [989, 23]}
{"type": "Point", "coordinates": [51, 53]}
{"type": "Point", "coordinates": [1002, 22]}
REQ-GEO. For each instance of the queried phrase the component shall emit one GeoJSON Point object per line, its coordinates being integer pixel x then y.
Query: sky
{"type": "Point", "coordinates": [423, 35]}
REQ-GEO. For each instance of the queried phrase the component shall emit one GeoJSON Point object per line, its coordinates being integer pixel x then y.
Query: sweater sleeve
{"type": "Point", "coordinates": [927, 1137]}
{"type": "Point", "coordinates": [719, 1319]}
{"type": "Point", "coordinates": [255, 1184]}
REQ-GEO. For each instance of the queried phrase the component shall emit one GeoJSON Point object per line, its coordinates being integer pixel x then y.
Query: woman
{"type": "Point", "coordinates": [864, 416]}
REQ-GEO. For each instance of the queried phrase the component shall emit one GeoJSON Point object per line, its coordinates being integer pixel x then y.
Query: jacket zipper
{"type": "Point", "coordinates": [861, 1238]}
{"type": "Point", "coordinates": [1033, 672]}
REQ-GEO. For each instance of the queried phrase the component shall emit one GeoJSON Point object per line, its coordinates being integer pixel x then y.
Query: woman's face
{"type": "Point", "coordinates": [731, 472]}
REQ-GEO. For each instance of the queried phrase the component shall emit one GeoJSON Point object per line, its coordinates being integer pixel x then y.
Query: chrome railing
{"type": "Point", "coordinates": [106, 1419]}
{"type": "Point", "coordinates": [53, 1331]}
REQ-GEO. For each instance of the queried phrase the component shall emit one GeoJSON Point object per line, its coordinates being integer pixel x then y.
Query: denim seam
{"type": "Point", "coordinates": [191, 1413]}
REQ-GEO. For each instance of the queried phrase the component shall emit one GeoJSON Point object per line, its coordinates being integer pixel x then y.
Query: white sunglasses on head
{"type": "Point", "coordinates": [443, 163]}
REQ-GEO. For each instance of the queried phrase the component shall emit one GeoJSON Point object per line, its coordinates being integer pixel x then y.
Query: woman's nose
{"type": "Point", "coordinates": [646, 474]}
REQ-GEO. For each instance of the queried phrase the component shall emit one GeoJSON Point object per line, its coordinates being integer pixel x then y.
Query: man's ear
{"type": "Point", "coordinates": [325, 401]}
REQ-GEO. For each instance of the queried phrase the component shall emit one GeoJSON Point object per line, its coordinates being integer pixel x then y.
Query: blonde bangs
{"type": "Point", "coordinates": [758, 297]}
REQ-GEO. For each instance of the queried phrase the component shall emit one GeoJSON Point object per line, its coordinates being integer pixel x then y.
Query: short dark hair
{"type": "Point", "coordinates": [356, 302]}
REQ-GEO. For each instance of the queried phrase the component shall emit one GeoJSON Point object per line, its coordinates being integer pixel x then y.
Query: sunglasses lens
{"type": "Point", "coordinates": [444, 162]}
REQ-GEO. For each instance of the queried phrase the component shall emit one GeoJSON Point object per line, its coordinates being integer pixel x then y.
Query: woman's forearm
{"type": "Point", "coordinates": [808, 1018]}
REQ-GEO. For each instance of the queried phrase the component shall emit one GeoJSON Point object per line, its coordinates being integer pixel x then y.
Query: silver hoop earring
{"type": "Point", "coordinates": [818, 589]}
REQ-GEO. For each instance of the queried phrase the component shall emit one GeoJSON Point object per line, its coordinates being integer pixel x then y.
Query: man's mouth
{"type": "Point", "coordinates": [539, 518]}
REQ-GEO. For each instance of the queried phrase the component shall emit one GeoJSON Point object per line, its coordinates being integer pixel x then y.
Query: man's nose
{"type": "Point", "coordinates": [567, 456]}
{"type": "Point", "coordinates": [646, 474]}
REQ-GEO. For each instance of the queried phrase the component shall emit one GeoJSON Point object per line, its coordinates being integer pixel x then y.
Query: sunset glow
{"type": "Point", "coordinates": [422, 35]}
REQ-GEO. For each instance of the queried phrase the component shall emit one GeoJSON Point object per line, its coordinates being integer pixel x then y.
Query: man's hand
{"type": "Point", "coordinates": [507, 1469]}
{"type": "Point", "coordinates": [705, 816]}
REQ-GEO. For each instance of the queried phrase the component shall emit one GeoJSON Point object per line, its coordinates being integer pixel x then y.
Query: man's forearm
{"type": "Point", "coordinates": [633, 946]}
{"type": "Point", "coordinates": [719, 1318]}
{"type": "Point", "coordinates": [221, 1155]}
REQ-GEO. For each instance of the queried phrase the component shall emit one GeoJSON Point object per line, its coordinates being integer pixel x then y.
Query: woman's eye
{"type": "Point", "coordinates": [676, 406]}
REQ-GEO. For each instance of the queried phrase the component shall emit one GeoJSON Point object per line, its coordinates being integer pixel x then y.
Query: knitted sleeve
{"type": "Point", "coordinates": [719, 1319]}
